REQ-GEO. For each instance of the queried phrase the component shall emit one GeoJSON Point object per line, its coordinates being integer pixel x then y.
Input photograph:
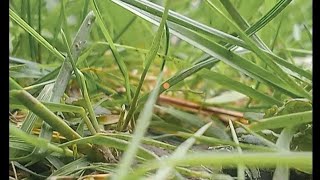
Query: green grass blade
{"type": "Point", "coordinates": [215, 141]}
{"type": "Point", "coordinates": [14, 85]}
{"type": "Point", "coordinates": [241, 22]}
{"type": "Point", "coordinates": [115, 52]}
{"type": "Point", "coordinates": [102, 139]}
{"type": "Point", "coordinates": [34, 34]}
{"type": "Point", "coordinates": [179, 19]}
{"type": "Point", "coordinates": [84, 91]}
{"type": "Point", "coordinates": [70, 168]}
{"type": "Point", "coordinates": [242, 88]}
{"type": "Point", "coordinates": [225, 55]}
{"type": "Point", "coordinates": [55, 107]}
{"type": "Point", "coordinates": [241, 168]}
{"type": "Point", "coordinates": [78, 45]}
{"type": "Point", "coordinates": [143, 122]}
{"type": "Point", "coordinates": [44, 113]}
{"type": "Point", "coordinates": [282, 121]}
{"type": "Point", "coordinates": [193, 121]}
{"type": "Point", "coordinates": [244, 25]}
{"type": "Point", "coordinates": [31, 42]}
{"type": "Point", "coordinates": [164, 171]}
{"type": "Point", "coordinates": [145, 140]}
{"type": "Point", "coordinates": [149, 59]}
{"type": "Point", "coordinates": [261, 54]}
{"type": "Point", "coordinates": [39, 29]}
{"type": "Point", "coordinates": [44, 95]}
{"type": "Point", "coordinates": [270, 15]}
{"type": "Point", "coordinates": [283, 142]}
{"type": "Point", "coordinates": [37, 142]}
{"type": "Point", "coordinates": [263, 160]}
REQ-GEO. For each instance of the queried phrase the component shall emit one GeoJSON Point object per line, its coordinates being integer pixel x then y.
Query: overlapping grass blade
{"type": "Point", "coordinates": [44, 113]}
{"type": "Point", "coordinates": [215, 141]}
{"type": "Point", "coordinates": [179, 19]}
{"type": "Point", "coordinates": [38, 142]}
{"type": "Point", "coordinates": [221, 53]}
{"type": "Point", "coordinates": [72, 168]}
{"type": "Point", "coordinates": [263, 160]}
{"type": "Point", "coordinates": [241, 168]}
{"type": "Point", "coordinates": [84, 91]}
{"type": "Point", "coordinates": [141, 127]}
{"type": "Point", "coordinates": [283, 142]}
{"type": "Point", "coordinates": [194, 121]}
{"type": "Point", "coordinates": [164, 171]}
{"type": "Point", "coordinates": [282, 121]}
{"type": "Point", "coordinates": [149, 59]}
{"type": "Point", "coordinates": [102, 139]}
{"type": "Point", "coordinates": [34, 34]}
{"type": "Point", "coordinates": [237, 86]}
{"type": "Point", "coordinates": [261, 54]}
{"type": "Point", "coordinates": [145, 140]}
{"type": "Point", "coordinates": [262, 22]}
{"type": "Point", "coordinates": [115, 52]}
{"type": "Point", "coordinates": [146, 114]}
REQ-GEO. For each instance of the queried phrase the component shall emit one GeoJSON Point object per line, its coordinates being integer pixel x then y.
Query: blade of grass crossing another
{"type": "Point", "coordinates": [115, 52]}
{"type": "Point", "coordinates": [282, 121]}
{"type": "Point", "coordinates": [146, 114]}
{"type": "Point", "coordinates": [283, 142]}
{"type": "Point", "coordinates": [242, 88]}
{"type": "Point", "coordinates": [227, 159]}
{"type": "Point", "coordinates": [164, 171]}
{"type": "Point", "coordinates": [38, 142]}
{"type": "Point", "coordinates": [143, 122]}
{"type": "Point", "coordinates": [149, 59]}
{"type": "Point", "coordinates": [261, 54]}
{"type": "Point", "coordinates": [219, 52]}
{"type": "Point", "coordinates": [82, 83]}
{"type": "Point", "coordinates": [241, 168]}
{"type": "Point", "coordinates": [34, 34]}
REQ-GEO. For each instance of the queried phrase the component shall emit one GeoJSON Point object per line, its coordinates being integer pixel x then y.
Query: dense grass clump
{"type": "Point", "coordinates": [135, 89]}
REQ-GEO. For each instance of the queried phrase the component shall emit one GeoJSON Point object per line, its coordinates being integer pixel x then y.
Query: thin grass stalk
{"type": "Point", "coordinates": [149, 59]}
{"type": "Point", "coordinates": [118, 58]}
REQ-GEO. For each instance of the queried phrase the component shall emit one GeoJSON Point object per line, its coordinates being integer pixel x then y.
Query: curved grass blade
{"type": "Point", "coordinates": [194, 122]}
{"type": "Point", "coordinates": [145, 140]}
{"type": "Point", "coordinates": [141, 127]}
{"type": "Point", "coordinates": [149, 59]}
{"type": "Point", "coordinates": [242, 88]}
{"type": "Point", "coordinates": [242, 23]}
{"type": "Point", "coordinates": [283, 142]}
{"type": "Point", "coordinates": [71, 168]}
{"type": "Point", "coordinates": [179, 19]}
{"type": "Point", "coordinates": [78, 45]}
{"type": "Point", "coordinates": [261, 54]}
{"type": "Point", "coordinates": [164, 171]}
{"type": "Point", "coordinates": [149, 6]}
{"type": "Point", "coordinates": [281, 4]}
{"type": "Point", "coordinates": [84, 91]}
{"type": "Point", "coordinates": [38, 142]}
{"type": "Point", "coordinates": [34, 34]}
{"type": "Point", "coordinates": [44, 113]}
{"type": "Point", "coordinates": [282, 121]}
{"type": "Point", "coordinates": [265, 19]}
{"type": "Point", "coordinates": [102, 139]}
{"type": "Point", "coordinates": [241, 168]}
{"type": "Point", "coordinates": [219, 52]}
{"type": "Point", "coordinates": [115, 52]}
{"type": "Point", "coordinates": [215, 141]}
